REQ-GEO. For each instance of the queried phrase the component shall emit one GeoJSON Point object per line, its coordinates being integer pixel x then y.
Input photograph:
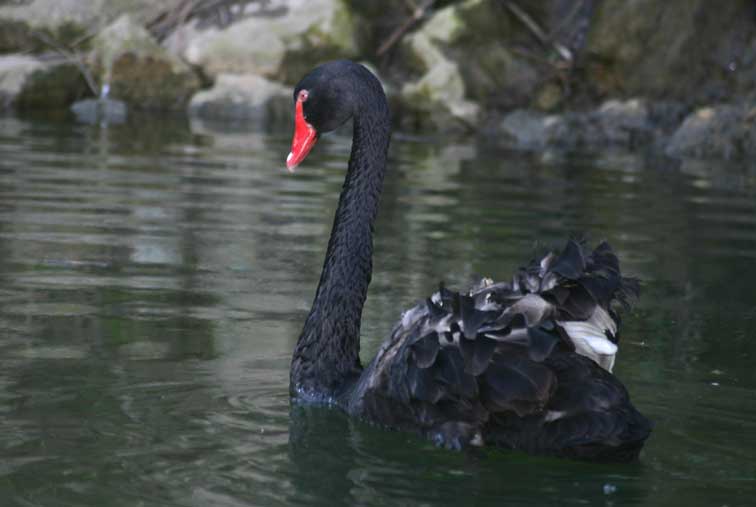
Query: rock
{"type": "Point", "coordinates": [14, 71]}
{"type": "Point", "coordinates": [643, 47]}
{"type": "Point", "coordinates": [138, 70]}
{"type": "Point", "coordinates": [549, 97]}
{"type": "Point", "coordinates": [449, 86]}
{"type": "Point", "coordinates": [723, 131]}
{"type": "Point", "coordinates": [28, 82]}
{"type": "Point", "coordinates": [621, 123]}
{"type": "Point", "coordinates": [243, 97]}
{"type": "Point", "coordinates": [282, 45]}
{"type": "Point", "coordinates": [749, 123]}
{"type": "Point", "coordinates": [61, 20]}
{"type": "Point", "coordinates": [624, 124]}
{"type": "Point", "coordinates": [93, 111]}
{"type": "Point", "coordinates": [438, 99]}
{"type": "Point", "coordinates": [531, 130]}
{"type": "Point", "coordinates": [66, 21]}
{"type": "Point", "coordinates": [666, 115]}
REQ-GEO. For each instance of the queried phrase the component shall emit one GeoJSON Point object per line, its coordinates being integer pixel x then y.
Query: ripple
{"type": "Point", "coordinates": [154, 280]}
{"type": "Point", "coordinates": [50, 309]}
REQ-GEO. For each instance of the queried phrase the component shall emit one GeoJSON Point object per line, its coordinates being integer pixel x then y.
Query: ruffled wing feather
{"type": "Point", "coordinates": [502, 354]}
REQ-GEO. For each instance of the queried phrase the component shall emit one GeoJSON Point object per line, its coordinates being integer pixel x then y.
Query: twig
{"type": "Point", "coordinates": [84, 37]}
{"type": "Point", "coordinates": [72, 57]}
{"type": "Point", "coordinates": [536, 30]}
{"type": "Point", "coordinates": [397, 34]}
{"type": "Point", "coordinates": [169, 20]}
{"type": "Point", "coordinates": [162, 24]}
{"type": "Point", "coordinates": [567, 19]}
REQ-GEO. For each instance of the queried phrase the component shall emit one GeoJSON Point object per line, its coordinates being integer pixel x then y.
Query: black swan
{"type": "Point", "coordinates": [522, 365]}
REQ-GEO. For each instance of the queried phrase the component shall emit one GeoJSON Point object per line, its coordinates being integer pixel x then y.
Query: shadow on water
{"type": "Point", "coordinates": [154, 276]}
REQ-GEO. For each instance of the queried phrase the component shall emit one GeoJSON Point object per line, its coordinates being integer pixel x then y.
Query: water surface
{"type": "Point", "coordinates": [154, 277]}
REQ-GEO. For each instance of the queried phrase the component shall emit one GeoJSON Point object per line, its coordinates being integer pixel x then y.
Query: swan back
{"type": "Point", "coordinates": [472, 367]}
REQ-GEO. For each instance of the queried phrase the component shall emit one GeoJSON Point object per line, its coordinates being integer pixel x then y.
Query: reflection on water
{"type": "Point", "coordinates": [154, 277]}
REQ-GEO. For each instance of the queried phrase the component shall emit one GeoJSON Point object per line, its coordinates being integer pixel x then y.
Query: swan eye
{"type": "Point", "coordinates": [302, 96]}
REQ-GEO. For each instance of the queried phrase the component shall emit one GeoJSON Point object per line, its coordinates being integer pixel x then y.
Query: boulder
{"type": "Point", "coordinates": [723, 131]}
{"type": "Point", "coordinates": [643, 47]}
{"type": "Point", "coordinates": [622, 124]}
{"type": "Point", "coordinates": [137, 70]}
{"type": "Point", "coordinates": [243, 97]}
{"type": "Point", "coordinates": [461, 59]}
{"type": "Point", "coordinates": [531, 130]}
{"type": "Point", "coordinates": [14, 72]}
{"type": "Point", "coordinates": [281, 45]}
{"type": "Point", "coordinates": [27, 82]}
{"type": "Point", "coordinates": [438, 99]}
{"type": "Point", "coordinates": [100, 110]}
{"type": "Point", "coordinates": [66, 21]}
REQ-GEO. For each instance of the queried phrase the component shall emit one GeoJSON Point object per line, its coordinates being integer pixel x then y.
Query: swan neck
{"type": "Point", "coordinates": [326, 359]}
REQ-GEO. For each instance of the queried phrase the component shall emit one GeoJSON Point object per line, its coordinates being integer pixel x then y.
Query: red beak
{"type": "Point", "coordinates": [304, 138]}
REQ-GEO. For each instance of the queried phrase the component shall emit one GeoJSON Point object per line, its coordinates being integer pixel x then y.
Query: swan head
{"type": "Point", "coordinates": [326, 98]}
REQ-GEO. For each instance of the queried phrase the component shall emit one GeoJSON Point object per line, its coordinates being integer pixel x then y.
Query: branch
{"type": "Point", "coordinates": [168, 20]}
{"type": "Point", "coordinates": [397, 34]}
{"type": "Point", "coordinates": [70, 56]}
{"type": "Point", "coordinates": [536, 30]}
{"type": "Point", "coordinates": [567, 19]}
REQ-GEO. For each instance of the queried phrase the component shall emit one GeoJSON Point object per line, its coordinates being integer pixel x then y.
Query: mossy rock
{"type": "Point", "coordinates": [67, 22]}
{"type": "Point", "coordinates": [19, 37]}
{"type": "Point", "coordinates": [27, 82]}
{"type": "Point", "coordinates": [281, 47]}
{"type": "Point", "coordinates": [139, 71]}
{"type": "Point", "coordinates": [549, 97]}
{"type": "Point", "coordinates": [460, 59]}
{"type": "Point", "coordinates": [249, 98]}
{"type": "Point", "coordinates": [53, 87]}
{"type": "Point", "coordinates": [16, 37]}
{"type": "Point", "coordinates": [644, 46]}
{"type": "Point", "coordinates": [146, 82]}
{"type": "Point", "coordinates": [321, 42]}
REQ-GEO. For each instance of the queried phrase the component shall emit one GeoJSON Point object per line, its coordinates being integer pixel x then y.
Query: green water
{"type": "Point", "coordinates": [154, 277]}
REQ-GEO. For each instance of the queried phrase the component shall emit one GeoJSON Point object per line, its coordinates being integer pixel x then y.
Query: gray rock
{"type": "Point", "coordinates": [138, 70]}
{"type": "Point", "coordinates": [620, 123]}
{"type": "Point", "coordinates": [694, 51]}
{"type": "Point", "coordinates": [532, 130]}
{"type": "Point", "coordinates": [93, 111]}
{"type": "Point", "coordinates": [723, 131]}
{"type": "Point", "coordinates": [623, 124]}
{"type": "Point", "coordinates": [245, 97]}
{"type": "Point", "coordinates": [446, 86]}
{"type": "Point", "coordinates": [29, 82]}
{"type": "Point", "coordinates": [54, 13]}
{"type": "Point", "coordinates": [66, 21]}
{"type": "Point", "coordinates": [438, 96]}
{"type": "Point", "coordinates": [14, 73]}
{"type": "Point", "coordinates": [281, 46]}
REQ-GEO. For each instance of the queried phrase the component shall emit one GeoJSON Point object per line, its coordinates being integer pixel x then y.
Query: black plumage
{"type": "Point", "coordinates": [524, 364]}
{"type": "Point", "coordinates": [532, 389]}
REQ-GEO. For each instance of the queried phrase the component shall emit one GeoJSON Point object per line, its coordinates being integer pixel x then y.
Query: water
{"type": "Point", "coordinates": [154, 277]}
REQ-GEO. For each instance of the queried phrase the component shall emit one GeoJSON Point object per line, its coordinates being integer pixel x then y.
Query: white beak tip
{"type": "Point", "coordinates": [289, 166]}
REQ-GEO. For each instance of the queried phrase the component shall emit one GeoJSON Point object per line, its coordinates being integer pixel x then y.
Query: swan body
{"type": "Point", "coordinates": [524, 364]}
